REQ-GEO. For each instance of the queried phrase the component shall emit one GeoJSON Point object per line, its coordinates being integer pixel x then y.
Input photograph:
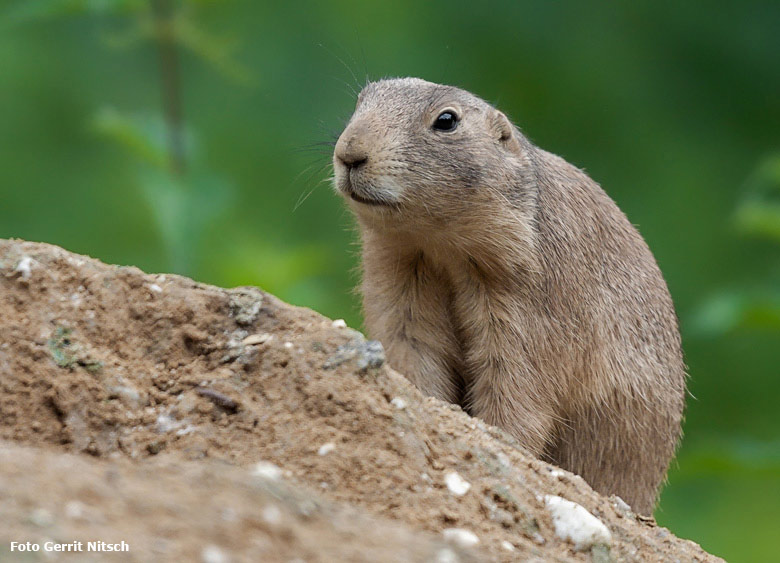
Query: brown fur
{"type": "Point", "coordinates": [500, 277]}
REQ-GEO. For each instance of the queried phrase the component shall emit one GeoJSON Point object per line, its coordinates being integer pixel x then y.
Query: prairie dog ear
{"type": "Point", "coordinates": [504, 131]}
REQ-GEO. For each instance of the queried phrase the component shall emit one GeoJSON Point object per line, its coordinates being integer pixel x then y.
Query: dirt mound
{"type": "Point", "coordinates": [194, 422]}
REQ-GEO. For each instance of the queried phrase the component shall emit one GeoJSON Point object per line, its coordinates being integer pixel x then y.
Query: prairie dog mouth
{"type": "Point", "coordinates": [360, 199]}
{"type": "Point", "coordinates": [369, 196]}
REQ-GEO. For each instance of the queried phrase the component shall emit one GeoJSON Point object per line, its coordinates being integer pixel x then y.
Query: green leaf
{"type": "Point", "coordinates": [141, 136]}
{"type": "Point", "coordinates": [182, 205]}
{"type": "Point", "coordinates": [726, 312]}
{"type": "Point", "coordinates": [759, 219]}
{"type": "Point", "coordinates": [145, 136]}
{"type": "Point", "coordinates": [759, 214]}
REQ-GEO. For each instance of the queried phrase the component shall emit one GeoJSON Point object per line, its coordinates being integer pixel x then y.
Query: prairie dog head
{"type": "Point", "coordinates": [417, 154]}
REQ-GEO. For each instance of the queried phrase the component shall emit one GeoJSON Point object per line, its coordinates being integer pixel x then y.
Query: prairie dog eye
{"type": "Point", "coordinates": [447, 121]}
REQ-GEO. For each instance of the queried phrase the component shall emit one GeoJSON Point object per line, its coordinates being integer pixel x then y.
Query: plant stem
{"type": "Point", "coordinates": [169, 81]}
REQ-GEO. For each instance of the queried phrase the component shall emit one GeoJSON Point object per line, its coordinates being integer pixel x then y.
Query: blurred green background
{"type": "Point", "coordinates": [192, 137]}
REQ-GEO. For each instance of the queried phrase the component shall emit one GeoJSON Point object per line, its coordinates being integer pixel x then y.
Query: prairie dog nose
{"type": "Point", "coordinates": [352, 160]}
{"type": "Point", "coordinates": [352, 146]}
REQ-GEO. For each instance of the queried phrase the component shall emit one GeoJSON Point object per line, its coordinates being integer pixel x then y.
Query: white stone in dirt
{"type": "Point", "coordinates": [267, 470]}
{"type": "Point", "coordinates": [75, 510]}
{"type": "Point", "coordinates": [575, 524]}
{"type": "Point", "coordinates": [272, 514]}
{"type": "Point", "coordinates": [166, 423]}
{"type": "Point", "coordinates": [620, 504]}
{"type": "Point", "coordinates": [189, 429]}
{"type": "Point", "coordinates": [213, 554]}
{"type": "Point", "coordinates": [457, 485]}
{"type": "Point", "coordinates": [260, 338]}
{"type": "Point", "coordinates": [126, 392]}
{"type": "Point", "coordinates": [325, 449]}
{"type": "Point", "coordinates": [78, 262]}
{"type": "Point", "coordinates": [460, 537]}
{"type": "Point", "coordinates": [508, 546]}
{"type": "Point", "coordinates": [24, 267]}
{"type": "Point", "coordinates": [41, 518]}
{"type": "Point", "coordinates": [398, 403]}
{"type": "Point", "coordinates": [339, 323]}
{"type": "Point", "coordinates": [446, 555]}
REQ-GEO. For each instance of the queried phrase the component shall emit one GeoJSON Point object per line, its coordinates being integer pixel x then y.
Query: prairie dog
{"type": "Point", "coordinates": [500, 277]}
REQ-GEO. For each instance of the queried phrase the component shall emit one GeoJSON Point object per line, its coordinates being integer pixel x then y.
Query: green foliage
{"type": "Point", "coordinates": [741, 309]}
{"type": "Point", "coordinates": [758, 216]}
{"type": "Point", "coordinates": [759, 213]}
{"type": "Point", "coordinates": [182, 205]}
{"type": "Point", "coordinates": [142, 136]}
{"type": "Point", "coordinates": [183, 201]}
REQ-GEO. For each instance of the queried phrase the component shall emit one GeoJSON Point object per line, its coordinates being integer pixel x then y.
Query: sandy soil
{"type": "Point", "coordinates": [197, 423]}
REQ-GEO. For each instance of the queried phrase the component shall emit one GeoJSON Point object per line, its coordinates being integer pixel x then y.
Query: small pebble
{"type": "Point", "coordinates": [460, 537]}
{"type": "Point", "coordinates": [398, 403]}
{"type": "Point", "coordinates": [166, 423]}
{"type": "Point", "coordinates": [213, 554]}
{"type": "Point", "coordinates": [339, 323]}
{"type": "Point", "coordinates": [75, 510]}
{"type": "Point", "coordinates": [508, 546]}
{"type": "Point", "coordinates": [325, 449]}
{"type": "Point", "coordinates": [573, 523]}
{"type": "Point", "coordinates": [456, 484]}
{"type": "Point", "coordinates": [621, 505]}
{"type": "Point", "coordinates": [41, 517]}
{"type": "Point", "coordinates": [446, 556]}
{"type": "Point", "coordinates": [253, 339]}
{"type": "Point", "coordinates": [155, 288]}
{"type": "Point", "coordinates": [267, 470]}
{"type": "Point", "coordinates": [272, 514]}
{"type": "Point", "coordinates": [25, 267]}
{"type": "Point", "coordinates": [125, 392]}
